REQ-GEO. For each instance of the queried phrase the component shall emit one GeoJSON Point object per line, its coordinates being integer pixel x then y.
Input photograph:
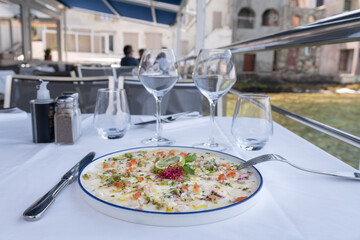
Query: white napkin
{"type": "Point", "coordinates": [178, 124]}
{"type": "Point", "coordinates": [12, 114]}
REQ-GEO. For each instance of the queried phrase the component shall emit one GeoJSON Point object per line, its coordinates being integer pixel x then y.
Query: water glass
{"type": "Point", "coordinates": [252, 122]}
{"type": "Point", "coordinates": [111, 117]}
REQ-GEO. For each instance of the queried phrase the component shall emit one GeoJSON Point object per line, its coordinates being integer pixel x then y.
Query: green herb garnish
{"type": "Point", "coordinates": [188, 169]}
{"type": "Point", "coordinates": [190, 158]}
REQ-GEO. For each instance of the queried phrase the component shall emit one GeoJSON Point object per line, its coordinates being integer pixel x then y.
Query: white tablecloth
{"type": "Point", "coordinates": [293, 204]}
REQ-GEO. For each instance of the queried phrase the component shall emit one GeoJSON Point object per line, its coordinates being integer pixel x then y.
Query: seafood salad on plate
{"type": "Point", "coordinates": [169, 180]}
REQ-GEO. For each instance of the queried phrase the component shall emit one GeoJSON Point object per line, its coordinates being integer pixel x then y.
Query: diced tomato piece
{"type": "Point", "coordinates": [159, 153]}
{"type": "Point", "coordinates": [183, 154]}
{"type": "Point", "coordinates": [136, 195]}
{"type": "Point", "coordinates": [183, 187]}
{"type": "Point", "coordinates": [221, 177]}
{"type": "Point", "coordinates": [105, 165]}
{"type": "Point", "coordinates": [140, 179]}
{"type": "Point", "coordinates": [239, 199]}
{"type": "Point", "coordinates": [196, 187]}
{"type": "Point", "coordinates": [232, 174]}
{"type": "Point", "coordinates": [133, 162]}
{"type": "Point", "coordinates": [118, 184]}
{"type": "Point", "coordinates": [226, 166]}
{"type": "Point", "coordinates": [171, 153]}
{"type": "Point", "coordinates": [113, 163]}
{"type": "Point", "coordinates": [128, 165]}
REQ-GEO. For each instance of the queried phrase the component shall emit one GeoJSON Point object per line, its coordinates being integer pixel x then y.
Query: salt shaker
{"type": "Point", "coordinates": [65, 121]}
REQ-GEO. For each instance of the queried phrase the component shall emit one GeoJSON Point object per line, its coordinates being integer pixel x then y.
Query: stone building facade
{"type": "Point", "coordinates": [257, 18]}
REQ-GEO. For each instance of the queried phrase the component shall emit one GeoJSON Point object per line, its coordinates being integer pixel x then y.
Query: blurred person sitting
{"type": "Point", "coordinates": [129, 60]}
{"type": "Point", "coordinates": [141, 52]}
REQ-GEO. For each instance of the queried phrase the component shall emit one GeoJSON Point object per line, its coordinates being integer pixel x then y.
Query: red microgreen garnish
{"type": "Point", "coordinates": [173, 172]}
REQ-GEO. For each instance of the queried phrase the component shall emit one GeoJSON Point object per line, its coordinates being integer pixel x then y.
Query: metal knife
{"type": "Point", "coordinates": [38, 208]}
{"type": "Point", "coordinates": [167, 117]}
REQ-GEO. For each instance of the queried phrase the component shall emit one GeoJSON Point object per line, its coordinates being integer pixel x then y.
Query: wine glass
{"type": "Point", "coordinates": [214, 75]}
{"type": "Point", "coordinates": [158, 73]}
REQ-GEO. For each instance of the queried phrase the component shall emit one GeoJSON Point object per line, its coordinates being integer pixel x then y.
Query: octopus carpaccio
{"type": "Point", "coordinates": [196, 182]}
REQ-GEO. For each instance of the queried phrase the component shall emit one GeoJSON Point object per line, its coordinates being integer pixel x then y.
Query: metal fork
{"type": "Point", "coordinates": [276, 157]}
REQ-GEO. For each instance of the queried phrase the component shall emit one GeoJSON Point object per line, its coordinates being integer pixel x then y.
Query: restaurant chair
{"type": "Point", "coordinates": [54, 74]}
{"type": "Point", "coordinates": [124, 71]}
{"type": "Point", "coordinates": [14, 67]}
{"type": "Point", "coordinates": [117, 72]}
{"type": "Point", "coordinates": [95, 71]}
{"type": "Point", "coordinates": [183, 97]}
{"type": "Point", "coordinates": [21, 89]}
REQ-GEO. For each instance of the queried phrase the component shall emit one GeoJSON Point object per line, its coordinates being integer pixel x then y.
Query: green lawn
{"type": "Point", "coordinates": [341, 111]}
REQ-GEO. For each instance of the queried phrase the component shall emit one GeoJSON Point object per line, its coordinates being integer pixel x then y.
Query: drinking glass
{"type": "Point", "coordinates": [214, 75]}
{"type": "Point", "coordinates": [111, 117]}
{"type": "Point", "coordinates": [252, 123]}
{"type": "Point", "coordinates": [158, 73]}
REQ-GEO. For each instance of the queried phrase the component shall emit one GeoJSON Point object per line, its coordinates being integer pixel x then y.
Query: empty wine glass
{"type": "Point", "coordinates": [158, 73]}
{"type": "Point", "coordinates": [214, 75]}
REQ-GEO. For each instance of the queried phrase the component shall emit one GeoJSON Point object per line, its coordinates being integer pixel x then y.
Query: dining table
{"type": "Point", "coordinates": [292, 204]}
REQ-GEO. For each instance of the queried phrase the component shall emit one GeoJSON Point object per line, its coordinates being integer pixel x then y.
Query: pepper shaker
{"type": "Point", "coordinates": [65, 121]}
{"type": "Point", "coordinates": [77, 110]}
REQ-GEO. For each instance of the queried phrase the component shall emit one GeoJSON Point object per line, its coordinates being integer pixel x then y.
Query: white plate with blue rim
{"type": "Point", "coordinates": [109, 206]}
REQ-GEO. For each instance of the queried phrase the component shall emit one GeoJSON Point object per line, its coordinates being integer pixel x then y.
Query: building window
{"type": "Point", "coordinates": [70, 43]}
{"type": "Point", "coordinates": [294, 3]}
{"type": "Point", "coordinates": [246, 18]}
{"type": "Point", "coordinates": [132, 39]}
{"type": "Point", "coordinates": [319, 3]}
{"type": "Point", "coordinates": [153, 40]}
{"type": "Point", "coordinates": [292, 58]}
{"type": "Point", "coordinates": [217, 20]}
{"type": "Point", "coordinates": [347, 5]}
{"type": "Point", "coordinates": [111, 43]}
{"type": "Point", "coordinates": [249, 62]}
{"type": "Point", "coordinates": [270, 18]}
{"type": "Point", "coordinates": [296, 21]}
{"type": "Point", "coordinates": [345, 61]}
{"type": "Point", "coordinates": [312, 19]}
{"type": "Point", "coordinates": [84, 44]}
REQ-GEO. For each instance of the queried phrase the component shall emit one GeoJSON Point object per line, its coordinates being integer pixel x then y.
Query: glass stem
{"type": "Point", "coordinates": [158, 119]}
{"type": "Point", "coordinates": [211, 140]}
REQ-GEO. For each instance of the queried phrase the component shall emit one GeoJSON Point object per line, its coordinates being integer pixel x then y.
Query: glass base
{"type": "Point", "coordinates": [111, 133]}
{"type": "Point", "coordinates": [157, 141]}
{"type": "Point", "coordinates": [251, 144]}
{"type": "Point", "coordinates": [215, 146]}
{"type": "Point", "coordinates": [251, 148]}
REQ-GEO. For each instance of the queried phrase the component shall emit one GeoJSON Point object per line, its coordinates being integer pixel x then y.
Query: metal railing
{"type": "Point", "coordinates": [337, 29]}
{"type": "Point", "coordinates": [331, 131]}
